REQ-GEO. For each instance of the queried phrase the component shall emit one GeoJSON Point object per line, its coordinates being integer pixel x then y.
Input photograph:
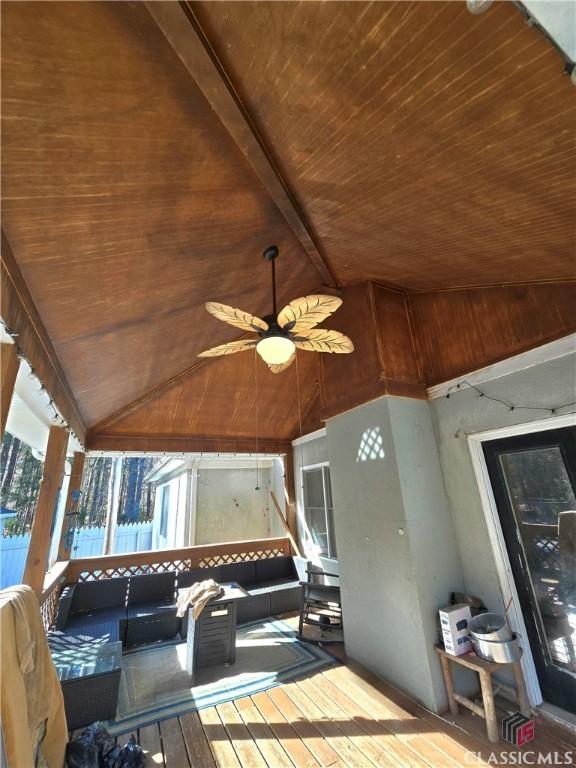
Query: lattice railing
{"type": "Point", "coordinates": [204, 556]}
{"type": "Point", "coordinates": [53, 584]}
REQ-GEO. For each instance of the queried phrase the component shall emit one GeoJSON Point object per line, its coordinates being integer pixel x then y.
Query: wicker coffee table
{"type": "Point", "coordinates": [90, 678]}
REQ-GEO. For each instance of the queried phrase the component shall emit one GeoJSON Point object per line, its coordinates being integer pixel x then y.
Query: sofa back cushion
{"type": "Point", "coordinates": [152, 588]}
{"type": "Point", "coordinates": [187, 578]}
{"type": "Point", "coordinates": [92, 596]}
{"type": "Point", "coordinates": [242, 573]}
{"type": "Point", "coordinates": [275, 569]}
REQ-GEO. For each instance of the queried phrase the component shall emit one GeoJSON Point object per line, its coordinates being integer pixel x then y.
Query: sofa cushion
{"type": "Point", "coordinates": [275, 568]}
{"type": "Point", "coordinates": [152, 588]}
{"type": "Point", "coordinates": [187, 578]}
{"type": "Point", "coordinates": [92, 596]}
{"type": "Point", "coordinates": [242, 573]}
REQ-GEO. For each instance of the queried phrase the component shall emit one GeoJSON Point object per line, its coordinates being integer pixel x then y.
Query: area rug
{"type": "Point", "coordinates": [155, 685]}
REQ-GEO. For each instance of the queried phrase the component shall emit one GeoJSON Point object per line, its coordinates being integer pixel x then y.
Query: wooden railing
{"type": "Point", "coordinates": [53, 583]}
{"type": "Point", "coordinates": [159, 561]}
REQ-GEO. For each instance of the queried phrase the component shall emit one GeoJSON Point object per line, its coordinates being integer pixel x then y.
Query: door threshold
{"type": "Point", "coordinates": [559, 716]}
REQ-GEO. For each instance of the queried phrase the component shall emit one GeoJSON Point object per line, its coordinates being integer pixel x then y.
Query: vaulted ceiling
{"type": "Point", "coordinates": [150, 151]}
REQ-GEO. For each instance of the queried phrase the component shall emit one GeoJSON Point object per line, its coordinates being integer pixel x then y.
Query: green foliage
{"type": "Point", "coordinates": [21, 473]}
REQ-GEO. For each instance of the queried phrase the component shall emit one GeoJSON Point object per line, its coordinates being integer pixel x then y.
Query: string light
{"type": "Point", "coordinates": [57, 417]}
{"type": "Point", "coordinates": [464, 384]}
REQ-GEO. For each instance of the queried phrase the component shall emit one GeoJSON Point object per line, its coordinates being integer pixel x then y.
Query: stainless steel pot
{"type": "Point", "coordinates": [489, 626]}
{"type": "Point", "coordinates": [499, 651]}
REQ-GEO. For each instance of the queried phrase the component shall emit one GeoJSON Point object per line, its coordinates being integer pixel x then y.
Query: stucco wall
{"type": "Point", "coordinates": [548, 385]}
{"type": "Point", "coordinates": [228, 508]}
{"type": "Point", "coordinates": [397, 549]}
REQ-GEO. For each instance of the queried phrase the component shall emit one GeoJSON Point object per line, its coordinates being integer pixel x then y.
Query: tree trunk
{"type": "Point", "coordinates": [7, 482]}
{"type": "Point", "coordinates": [6, 443]}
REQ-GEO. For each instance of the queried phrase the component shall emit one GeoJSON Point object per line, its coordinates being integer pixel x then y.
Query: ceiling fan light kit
{"type": "Point", "coordinates": [281, 333]}
{"type": "Point", "coordinates": [275, 350]}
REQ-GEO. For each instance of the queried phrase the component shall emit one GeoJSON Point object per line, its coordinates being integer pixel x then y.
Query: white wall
{"type": "Point", "coordinates": [177, 510]}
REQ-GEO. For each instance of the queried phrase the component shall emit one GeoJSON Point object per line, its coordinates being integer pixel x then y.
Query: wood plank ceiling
{"type": "Point", "coordinates": [421, 146]}
{"type": "Point", "coordinates": [429, 147]}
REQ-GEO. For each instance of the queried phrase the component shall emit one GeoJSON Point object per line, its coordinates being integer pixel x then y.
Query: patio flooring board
{"type": "Point", "coordinates": [342, 717]}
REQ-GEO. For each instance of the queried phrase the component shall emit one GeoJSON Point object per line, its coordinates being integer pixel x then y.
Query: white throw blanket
{"type": "Point", "coordinates": [196, 596]}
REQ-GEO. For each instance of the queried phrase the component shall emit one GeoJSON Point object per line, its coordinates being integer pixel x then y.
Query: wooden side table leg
{"type": "Point", "coordinates": [449, 683]}
{"type": "Point", "coordinates": [522, 693]}
{"type": "Point", "coordinates": [489, 706]}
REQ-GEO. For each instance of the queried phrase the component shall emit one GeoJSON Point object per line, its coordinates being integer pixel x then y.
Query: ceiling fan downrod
{"type": "Point", "coordinates": [270, 254]}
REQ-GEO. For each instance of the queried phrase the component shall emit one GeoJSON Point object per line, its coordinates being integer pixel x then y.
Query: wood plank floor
{"type": "Point", "coordinates": [341, 717]}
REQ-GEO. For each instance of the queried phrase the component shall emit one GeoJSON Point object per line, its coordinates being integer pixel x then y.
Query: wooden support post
{"type": "Point", "coordinates": [289, 493]}
{"type": "Point", "coordinates": [9, 365]}
{"type": "Point", "coordinates": [52, 473]}
{"type": "Point", "coordinates": [285, 525]}
{"type": "Point", "coordinates": [70, 510]}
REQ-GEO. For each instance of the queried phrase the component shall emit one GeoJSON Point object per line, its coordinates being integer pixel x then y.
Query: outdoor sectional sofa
{"type": "Point", "coordinates": [142, 609]}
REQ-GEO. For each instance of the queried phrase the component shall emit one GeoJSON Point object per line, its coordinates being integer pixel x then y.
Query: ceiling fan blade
{"type": "Point", "coordinates": [230, 348]}
{"type": "Point", "coordinates": [320, 340]}
{"type": "Point", "coordinates": [236, 317]}
{"type": "Point", "coordinates": [307, 312]}
{"type": "Point", "coordinates": [278, 368]}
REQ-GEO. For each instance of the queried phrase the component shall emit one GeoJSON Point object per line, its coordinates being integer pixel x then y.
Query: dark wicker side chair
{"type": "Point", "coordinates": [320, 606]}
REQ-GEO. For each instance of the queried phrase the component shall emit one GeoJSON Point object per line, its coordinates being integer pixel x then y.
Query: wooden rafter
{"type": "Point", "coordinates": [21, 315]}
{"type": "Point", "coordinates": [9, 365]}
{"type": "Point", "coordinates": [181, 27]}
{"type": "Point", "coordinates": [183, 444]}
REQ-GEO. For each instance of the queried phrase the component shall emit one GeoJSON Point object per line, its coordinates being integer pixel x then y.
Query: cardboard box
{"type": "Point", "coordinates": [454, 621]}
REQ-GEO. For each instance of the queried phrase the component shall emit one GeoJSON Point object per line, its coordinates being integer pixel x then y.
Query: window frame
{"type": "Point", "coordinates": [328, 518]}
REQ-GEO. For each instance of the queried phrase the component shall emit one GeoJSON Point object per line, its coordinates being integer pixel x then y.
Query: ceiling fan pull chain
{"type": "Point", "coordinates": [257, 488]}
{"type": "Point", "coordinates": [298, 394]}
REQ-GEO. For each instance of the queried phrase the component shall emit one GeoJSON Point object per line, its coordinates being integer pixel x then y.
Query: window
{"type": "Point", "coordinates": [164, 507]}
{"type": "Point", "coordinates": [318, 509]}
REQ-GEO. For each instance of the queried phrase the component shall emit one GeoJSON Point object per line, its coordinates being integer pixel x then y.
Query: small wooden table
{"type": "Point", "coordinates": [484, 669]}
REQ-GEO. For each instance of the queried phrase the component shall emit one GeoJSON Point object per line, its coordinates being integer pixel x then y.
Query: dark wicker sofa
{"type": "Point", "coordinates": [142, 609]}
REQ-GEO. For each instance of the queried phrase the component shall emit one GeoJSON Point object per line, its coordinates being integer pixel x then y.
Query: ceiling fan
{"type": "Point", "coordinates": [281, 333]}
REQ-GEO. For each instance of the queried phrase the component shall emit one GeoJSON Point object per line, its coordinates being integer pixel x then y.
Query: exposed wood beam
{"type": "Point", "coordinates": [20, 314]}
{"type": "Point", "coordinates": [126, 443]}
{"type": "Point", "coordinates": [182, 29]}
{"type": "Point", "coordinates": [9, 365]}
{"type": "Point", "coordinates": [70, 510]}
{"type": "Point", "coordinates": [52, 473]}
